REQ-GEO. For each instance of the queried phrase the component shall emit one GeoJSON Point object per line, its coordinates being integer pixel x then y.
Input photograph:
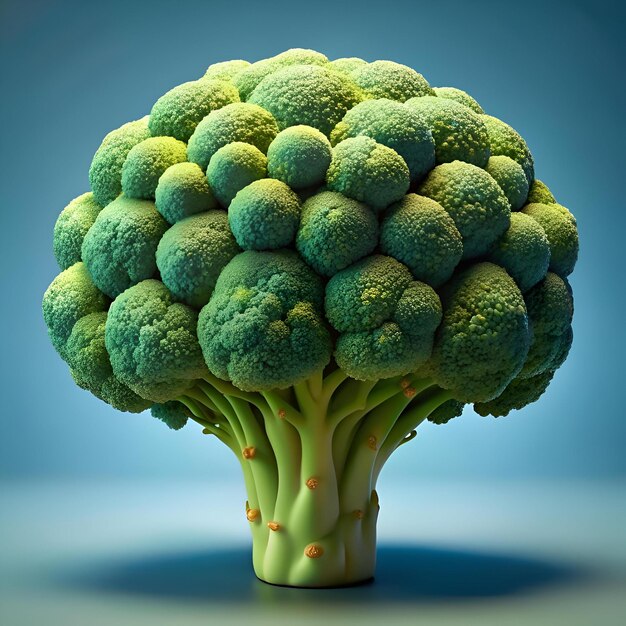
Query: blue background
{"type": "Point", "coordinates": [72, 71]}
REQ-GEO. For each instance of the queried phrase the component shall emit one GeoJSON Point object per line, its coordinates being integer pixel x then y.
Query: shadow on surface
{"type": "Point", "coordinates": [405, 574]}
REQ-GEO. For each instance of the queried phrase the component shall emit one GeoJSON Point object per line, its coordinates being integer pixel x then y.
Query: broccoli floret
{"type": "Point", "coordinates": [299, 156]}
{"type": "Point", "coordinates": [511, 178]}
{"type": "Point", "coordinates": [182, 191]}
{"type": "Point", "coordinates": [458, 132]}
{"type": "Point", "coordinates": [264, 215]}
{"type": "Point", "coordinates": [119, 248]}
{"type": "Point", "coordinates": [446, 411]}
{"type": "Point", "coordinates": [335, 231]}
{"type": "Point", "coordinates": [460, 96]}
{"type": "Point", "coordinates": [394, 125]}
{"type": "Point", "coordinates": [226, 70]}
{"type": "Point", "coordinates": [239, 121]}
{"type": "Point", "coordinates": [367, 171]}
{"type": "Point", "coordinates": [178, 112]}
{"type": "Point", "coordinates": [539, 193]}
{"type": "Point", "coordinates": [348, 64]}
{"type": "Point", "coordinates": [192, 254]}
{"type": "Point", "coordinates": [504, 140]}
{"type": "Point", "coordinates": [386, 79]}
{"type": "Point", "coordinates": [71, 227]}
{"type": "Point", "coordinates": [173, 414]}
{"type": "Point", "coordinates": [473, 199]}
{"type": "Point", "coordinates": [418, 232]}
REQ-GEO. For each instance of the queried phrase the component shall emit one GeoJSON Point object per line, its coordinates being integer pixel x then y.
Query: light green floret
{"type": "Point", "coordinates": [178, 112]}
{"type": "Point", "coordinates": [182, 191]}
{"type": "Point", "coordinates": [460, 96]}
{"type": "Point", "coordinates": [70, 296]}
{"type": "Point", "coordinates": [152, 342]}
{"type": "Point", "coordinates": [365, 170]}
{"type": "Point", "coordinates": [560, 227]}
{"type": "Point", "coordinates": [239, 121]}
{"type": "Point", "coordinates": [504, 140]}
{"type": "Point", "coordinates": [91, 369]}
{"type": "Point", "coordinates": [71, 227]}
{"type": "Point", "coordinates": [263, 327]}
{"type": "Point", "coordinates": [511, 179]}
{"type": "Point", "coordinates": [523, 251]}
{"type": "Point", "coordinates": [192, 253]}
{"type": "Point", "coordinates": [173, 414]}
{"type": "Point", "coordinates": [539, 193]}
{"type": "Point", "coordinates": [264, 215]}
{"type": "Point", "coordinates": [105, 172]}
{"type": "Point", "coordinates": [335, 231]}
{"type": "Point", "coordinates": [418, 232]}
{"type": "Point", "coordinates": [146, 162]}
{"type": "Point", "coordinates": [119, 248]}
{"type": "Point", "coordinates": [483, 339]}
{"type": "Point", "coordinates": [386, 320]}
{"type": "Point", "coordinates": [386, 79]}
{"type": "Point", "coordinates": [348, 64]}
{"type": "Point", "coordinates": [299, 156]}
{"type": "Point", "coordinates": [306, 94]}
{"type": "Point", "coordinates": [226, 70]}
{"type": "Point", "coordinates": [233, 167]}
{"type": "Point", "coordinates": [458, 132]}
{"type": "Point", "coordinates": [247, 80]}
{"type": "Point", "coordinates": [394, 125]}
{"type": "Point", "coordinates": [473, 199]}
{"type": "Point", "coordinates": [550, 311]}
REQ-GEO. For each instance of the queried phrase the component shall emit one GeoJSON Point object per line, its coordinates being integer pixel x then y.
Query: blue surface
{"type": "Point", "coordinates": [72, 71]}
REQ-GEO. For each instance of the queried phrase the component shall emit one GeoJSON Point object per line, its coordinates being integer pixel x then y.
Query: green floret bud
{"type": "Point", "coordinates": [394, 125]}
{"type": "Point", "coordinates": [146, 162]}
{"type": "Point", "coordinates": [519, 393]}
{"type": "Point", "coordinates": [105, 172]}
{"type": "Point", "coordinates": [71, 227]}
{"type": "Point", "coordinates": [173, 414]}
{"type": "Point", "coordinates": [178, 112]}
{"type": "Point", "coordinates": [365, 170]}
{"type": "Point", "coordinates": [239, 121]}
{"type": "Point", "coordinates": [482, 343]}
{"type": "Point", "coordinates": [511, 179]}
{"type": "Point", "coordinates": [91, 369]}
{"type": "Point", "coordinates": [182, 191]}
{"type": "Point", "coordinates": [192, 254]}
{"type": "Point", "coordinates": [335, 231]}
{"type": "Point", "coordinates": [247, 80]}
{"type": "Point", "coordinates": [226, 70]}
{"type": "Point", "coordinates": [70, 296]}
{"type": "Point", "coordinates": [348, 64]}
{"type": "Point", "coordinates": [119, 248]}
{"type": "Point", "coordinates": [233, 167]}
{"type": "Point", "coordinates": [386, 79]}
{"type": "Point", "coordinates": [473, 199]}
{"type": "Point", "coordinates": [460, 96]}
{"type": "Point", "coordinates": [458, 132]}
{"type": "Point", "coordinates": [523, 251]}
{"type": "Point", "coordinates": [550, 311]}
{"type": "Point", "coordinates": [263, 328]}
{"type": "Point", "coordinates": [418, 232]}
{"type": "Point", "coordinates": [152, 342]}
{"type": "Point", "coordinates": [446, 412]}
{"type": "Point", "coordinates": [299, 156]}
{"type": "Point", "coordinates": [264, 215]}
{"type": "Point", "coordinates": [560, 227]}
{"type": "Point", "coordinates": [539, 193]}
{"type": "Point", "coordinates": [504, 140]}
{"type": "Point", "coordinates": [306, 94]}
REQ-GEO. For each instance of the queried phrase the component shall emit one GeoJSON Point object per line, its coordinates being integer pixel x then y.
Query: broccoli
{"type": "Point", "coordinates": [309, 258]}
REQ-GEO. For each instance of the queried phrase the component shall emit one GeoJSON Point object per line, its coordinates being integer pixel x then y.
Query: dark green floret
{"type": "Point", "coordinates": [182, 191]}
{"type": "Point", "coordinates": [394, 125]}
{"type": "Point", "coordinates": [419, 232]}
{"type": "Point", "coordinates": [173, 414]}
{"type": "Point", "coordinates": [386, 79]}
{"type": "Point", "coordinates": [473, 199]}
{"type": "Point", "coordinates": [335, 231]}
{"type": "Point", "coordinates": [264, 215]}
{"type": "Point", "coordinates": [263, 328]}
{"type": "Point", "coordinates": [71, 227]}
{"type": "Point", "coordinates": [539, 193]}
{"type": "Point", "coordinates": [119, 248]}
{"type": "Point", "coordinates": [192, 254]}
{"type": "Point", "coordinates": [511, 179]}
{"type": "Point", "coordinates": [460, 96]}
{"type": "Point", "coordinates": [446, 411]}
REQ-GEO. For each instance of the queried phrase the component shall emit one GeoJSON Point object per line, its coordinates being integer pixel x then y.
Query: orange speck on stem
{"type": "Point", "coordinates": [409, 392]}
{"type": "Point", "coordinates": [372, 442]}
{"type": "Point", "coordinates": [358, 514]}
{"type": "Point", "coordinates": [273, 525]}
{"type": "Point", "coordinates": [252, 514]}
{"type": "Point", "coordinates": [249, 452]}
{"type": "Point", "coordinates": [282, 414]}
{"type": "Point", "coordinates": [404, 383]}
{"type": "Point", "coordinates": [312, 483]}
{"type": "Point", "coordinates": [313, 551]}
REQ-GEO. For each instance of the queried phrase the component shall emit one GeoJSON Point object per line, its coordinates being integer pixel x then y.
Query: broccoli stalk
{"type": "Point", "coordinates": [311, 456]}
